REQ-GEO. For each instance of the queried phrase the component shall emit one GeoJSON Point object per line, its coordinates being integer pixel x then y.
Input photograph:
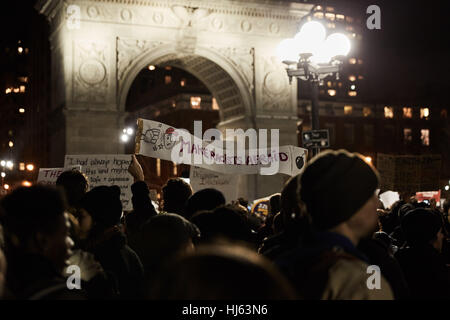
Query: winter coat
{"type": "Point", "coordinates": [331, 268]}
{"type": "Point", "coordinates": [426, 273]}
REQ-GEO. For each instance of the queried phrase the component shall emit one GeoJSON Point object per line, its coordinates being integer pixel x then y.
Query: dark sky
{"type": "Point", "coordinates": [408, 59]}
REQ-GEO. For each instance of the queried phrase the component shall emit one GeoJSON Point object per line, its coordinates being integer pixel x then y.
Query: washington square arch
{"type": "Point", "coordinates": [227, 44]}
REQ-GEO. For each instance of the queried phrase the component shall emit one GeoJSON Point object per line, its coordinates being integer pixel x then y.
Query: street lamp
{"type": "Point", "coordinates": [312, 57]}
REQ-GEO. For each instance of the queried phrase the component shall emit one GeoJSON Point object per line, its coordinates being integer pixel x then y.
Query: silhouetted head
{"type": "Point", "coordinates": [176, 193]}
{"type": "Point", "coordinates": [75, 185]}
{"type": "Point", "coordinates": [222, 273]}
{"type": "Point", "coordinates": [163, 236]}
{"type": "Point", "coordinates": [103, 205]}
{"type": "Point", "coordinates": [223, 222]}
{"type": "Point", "coordinates": [34, 222]}
{"type": "Point", "coordinates": [205, 199]}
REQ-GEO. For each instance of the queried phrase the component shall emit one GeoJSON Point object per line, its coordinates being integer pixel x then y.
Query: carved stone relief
{"type": "Point", "coordinates": [275, 89]}
{"type": "Point", "coordinates": [90, 76]}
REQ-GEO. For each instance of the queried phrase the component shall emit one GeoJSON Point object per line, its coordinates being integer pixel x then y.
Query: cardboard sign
{"type": "Point", "coordinates": [201, 178]}
{"type": "Point", "coordinates": [50, 175]}
{"type": "Point", "coordinates": [106, 170]}
{"type": "Point", "coordinates": [158, 140]}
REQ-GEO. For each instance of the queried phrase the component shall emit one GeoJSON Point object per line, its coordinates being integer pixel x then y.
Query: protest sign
{"type": "Point", "coordinates": [428, 195]}
{"type": "Point", "coordinates": [50, 175]}
{"type": "Point", "coordinates": [389, 198]}
{"type": "Point", "coordinates": [201, 178]}
{"type": "Point", "coordinates": [158, 140]}
{"type": "Point", "coordinates": [106, 170]}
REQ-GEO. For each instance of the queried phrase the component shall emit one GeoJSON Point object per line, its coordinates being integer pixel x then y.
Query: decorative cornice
{"type": "Point", "coordinates": [250, 8]}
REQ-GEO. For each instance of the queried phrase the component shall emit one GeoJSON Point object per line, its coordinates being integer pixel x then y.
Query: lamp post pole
{"type": "Point", "coordinates": [314, 85]}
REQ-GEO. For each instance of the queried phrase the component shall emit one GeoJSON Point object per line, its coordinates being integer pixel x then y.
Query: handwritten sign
{"type": "Point", "coordinates": [201, 178]}
{"type": "Point", "coordinates": [106, 170]}
{"type": "Point", "coordinates": [50, 175]}
{"type": "Point", "coordinates": [158, 140]}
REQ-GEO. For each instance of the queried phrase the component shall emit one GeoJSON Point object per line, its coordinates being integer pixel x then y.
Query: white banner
{"type": "Point", "coordinates": [106, 170]}
{"type": "Point", "coordinates": [50, 175]}
{"type": "Point", "coordinates": [201, 178]}
{"type": "Point", "coordinates": [158, 140]}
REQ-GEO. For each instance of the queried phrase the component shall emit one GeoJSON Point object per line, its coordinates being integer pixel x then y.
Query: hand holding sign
{"type": "Point", "coordinates": [135, 169]}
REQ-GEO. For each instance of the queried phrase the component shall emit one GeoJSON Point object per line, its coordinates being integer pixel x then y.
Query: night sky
{"type": "Point", "coordinates": [407, 60]}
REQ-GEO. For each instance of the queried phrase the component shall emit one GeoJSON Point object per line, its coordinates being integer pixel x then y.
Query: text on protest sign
{"type": "Point", "coordinates": [201, 178]}
{"type": "Point", "coordinates": [158, 140]}
{"type": "Point", "coordinates": [50, 175]}
{"type": "Point", "coordinates": [106, 170]}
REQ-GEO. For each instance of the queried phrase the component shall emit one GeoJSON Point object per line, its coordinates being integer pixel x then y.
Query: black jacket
{"type": "Point", "coordinates": [121, 263]}
{"type": "Point", "coordinates": [426, 273]}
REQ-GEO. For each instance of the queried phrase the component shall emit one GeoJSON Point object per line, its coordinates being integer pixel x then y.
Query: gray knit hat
{"type": "Point", "coordinates": [335, 185]}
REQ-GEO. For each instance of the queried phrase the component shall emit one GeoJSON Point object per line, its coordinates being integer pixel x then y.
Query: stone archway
{"type": "Point", "coordinates": [99, 46]}
{"type": "Point", "coordinates": [232, 88]}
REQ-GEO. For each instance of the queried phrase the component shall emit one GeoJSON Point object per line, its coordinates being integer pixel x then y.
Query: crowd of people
{"type": "Point", "coordinates": [323, 231]}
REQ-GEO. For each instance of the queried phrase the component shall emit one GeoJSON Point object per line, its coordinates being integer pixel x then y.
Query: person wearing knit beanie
{"type": "Point", "coordinates": [104, 205]}
{"type": "Point", "coordinates": [338, 190]}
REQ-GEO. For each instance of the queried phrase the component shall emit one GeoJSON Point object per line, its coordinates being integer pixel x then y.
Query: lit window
{"type": "Point", "coordinates": [424, 113]}
{"type": "Point", "coordinates": [360, 61]}
{"type": "Point", "coordinates": [330, 16]}
{"type": "Point", "coordinates": [175, 169]}
{"type": "Point", "coordinates": [158, 167]}
{"type": "Point", "coordinates": [11, 144]}
{"type": "Point", "coordinates": [22, 89]}
{"type": "Point", "coordinates": [354, 35]}
{"type": "Point", "coordinates": [348, 110]}
{"type": "Point", "coordinates": [16, 90]}
{"type": "Point", "coordinates": [353, 87]}
{"type": "Point", "coordinates": [340, 17]}
{"type": "Point", "coordinates": [23, 79]}
{"type": "Point", "coordinates": [195, 102]}
{"type": "Point", "coordinates": [352, 93]}
{"type": "Point", "coordinates": [407, 135]}
{"type": "Point", "coordinates": [366, 111]}
{"type": "Point", "coordinates": [174, 104]}
{"type": "Point", "coordinates": [318, 15]}
{"type": "Point", "coordinates": [349, 19]}
{"type": "Point", "coordinates": [183, 82]}
{"type": "Point", "coordinates": [26, 50]}
{"type": "Point", "coordinates": [352, 61]}
{"type": "Point", "coordinates": [151, 67]}
{"type": "Point", "coordinates": [332, 92]}
{"type": "Point", "coordinates": [167, 79]}
{"type": "Point", "coordinates": [168, 68]}
{"type": "Point", "coordinates": [352, 78]}
{"type": "Point", "coordinates": [330, 9]}
{"type": "Point", "coordinates": [389, 112]}
{"type": "Point", "coordinates": [21, 110]}
{"type": "Point", "coordinates": [215, 105]}
{"type": "Point", "coordinates": [8, 90]}
{"type": "Point", "coordinates": [20, 50]}
{"type": "Point", "coordinates": [425, 137]}
{"type": "Point", "coordinates": [21, 166]}
{"type": "Point", "coordinates": [360, 77]}
{"type": "Point", "coordinates": [30, 167]}
{"type": "Point", "coordinates": [318, 8]}
{"type": "Point", "coordinates": [340, 84]}
{"type": "Point", "coordinates": [407, 112]}
{"type": "Point", "coordinates": [329, 84]}
{"type": "Point", "coordinates": [331, 25]}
